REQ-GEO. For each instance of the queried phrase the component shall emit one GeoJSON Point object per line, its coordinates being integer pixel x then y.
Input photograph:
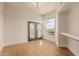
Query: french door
{"type": "Point", "coordinates": [34, 31]}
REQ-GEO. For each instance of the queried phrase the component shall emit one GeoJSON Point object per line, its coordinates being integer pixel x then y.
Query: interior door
{"type": "Point", "coordinates": [34, 31]}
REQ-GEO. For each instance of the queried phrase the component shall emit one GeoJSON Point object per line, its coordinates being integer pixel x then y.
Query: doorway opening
{"type": "Point", "coordinates": [34, 31]}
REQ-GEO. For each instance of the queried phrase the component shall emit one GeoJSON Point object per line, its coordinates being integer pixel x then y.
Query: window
{"type": "Point", "coordinates": [50, 25]}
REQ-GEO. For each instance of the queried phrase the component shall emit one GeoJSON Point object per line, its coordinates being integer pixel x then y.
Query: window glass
{"type": "Point", "coordinates": [50, 25]}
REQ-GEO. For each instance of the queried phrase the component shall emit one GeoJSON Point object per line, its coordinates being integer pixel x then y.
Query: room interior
{"type": "Point", "coordinates": [17, 19]}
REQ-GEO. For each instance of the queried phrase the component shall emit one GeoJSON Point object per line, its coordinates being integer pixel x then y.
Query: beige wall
{"type": "Point", "coordinates": [1, 25]}
{"type": "Point", "coordinates": [73, 27]}
{"type": "Point", "coordinates": [46, 35]}
{"type": "Point", "coordinates": [16, 23]}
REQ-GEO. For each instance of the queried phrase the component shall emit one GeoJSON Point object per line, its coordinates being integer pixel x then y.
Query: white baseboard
{"type": "Point", "coordinates": [13, 43]}
{"type": "Point", "coordinates": [1, 49]}
{"type": "Point", "coordinates": [72, 51]}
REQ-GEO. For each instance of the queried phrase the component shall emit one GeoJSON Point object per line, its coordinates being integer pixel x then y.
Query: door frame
{"type": "Point", "coordinates": [35, 30]}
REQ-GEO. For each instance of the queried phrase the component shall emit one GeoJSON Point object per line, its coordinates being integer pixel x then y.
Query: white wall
{"type": "Point", "coordinates": [46, 34]}
{"type": "Point", "coordinates": [1, 25]}
{"type": "Point", "coordinates": [67, 21]}
{"type": "Point", "coordinates": [60, 28]}
{"type": "Point", "coordinates": [16, 23]}
{"type": "Point", "coordinates": [73, 27]}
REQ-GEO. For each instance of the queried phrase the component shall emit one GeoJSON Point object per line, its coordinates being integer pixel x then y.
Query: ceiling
{"type": "Point", "coordinates": [46, 7]}
{"type": "Point", "coordinates": [43, 7]}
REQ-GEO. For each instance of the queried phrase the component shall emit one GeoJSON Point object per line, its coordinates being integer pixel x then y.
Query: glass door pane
{"type": "Point", "coordinates": [39, 31]}
{"type": "Point", "coordinates": [32, 31]}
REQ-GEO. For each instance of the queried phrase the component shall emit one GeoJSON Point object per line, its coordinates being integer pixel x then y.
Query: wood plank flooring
{"type": "Point", "coordinates": [35, 48]}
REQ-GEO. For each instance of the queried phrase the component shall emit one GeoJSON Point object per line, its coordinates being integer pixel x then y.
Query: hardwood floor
{"type": "Point", "coordinates": [35, 48]}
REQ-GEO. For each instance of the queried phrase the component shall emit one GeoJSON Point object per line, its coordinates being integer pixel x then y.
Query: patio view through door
{"type": "Point", "coordinates": [34, 31]}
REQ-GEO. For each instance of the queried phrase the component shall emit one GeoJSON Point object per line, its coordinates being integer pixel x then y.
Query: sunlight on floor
{"type": "Point", "coordinates": [40, 43]}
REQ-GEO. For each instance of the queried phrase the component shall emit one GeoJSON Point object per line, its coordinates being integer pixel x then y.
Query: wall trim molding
{"type": "Point", "coordinates": [71, 51]}
{"type": "Point", "coordinates": [14, 43]}
{"type": "Point", "coordinates": [1, 49]}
